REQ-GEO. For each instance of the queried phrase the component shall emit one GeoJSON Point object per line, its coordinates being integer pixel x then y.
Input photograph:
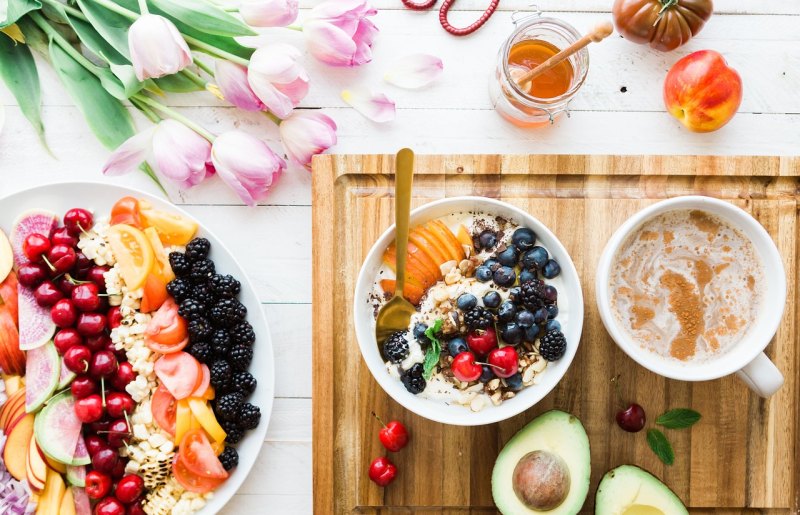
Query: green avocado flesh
{"type": "Point", "coordinates": [544, 468]}
{"type": "Point", "coordinates": [629, 490]}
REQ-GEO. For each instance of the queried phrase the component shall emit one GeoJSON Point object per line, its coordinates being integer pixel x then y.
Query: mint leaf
{"type": "Point", "coordinates": [679, 418]}
{"type": "Point", "coordinates": [660, 446]}
{"type": "Point", "coordinates": [432, 356]}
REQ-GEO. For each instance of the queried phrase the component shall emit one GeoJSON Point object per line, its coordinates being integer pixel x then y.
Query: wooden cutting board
{"type": "Point", "coordinates": [744, 454]}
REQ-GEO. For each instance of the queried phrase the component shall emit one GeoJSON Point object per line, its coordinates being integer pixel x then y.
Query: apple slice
{"type": "Point", "coordinates": [53, 464]}
{"type": "Point", "coordinates": [36, 467]}
{"type": "Point", "coordinates": [8, 297]}
{"type": "Point", "coordinates": [13, 407]}
{"type": "Point", "coordinates": [15, 453]}
{"type": "Point", "coordinates": [12, 360]}
{"type": "Point", "coordinates": [14, 384]}
{"type": "Point", "coordinates": [52, 495]}
{"type": "Point", "coordinates": [6, 256]}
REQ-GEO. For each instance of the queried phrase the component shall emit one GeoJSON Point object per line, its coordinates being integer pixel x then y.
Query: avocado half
{"type": "Point", "coordinates": [544, 468]}
{"type": "Point", "coordinates": [629, 490]}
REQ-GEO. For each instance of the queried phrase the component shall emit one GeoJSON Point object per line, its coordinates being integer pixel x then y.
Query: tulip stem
{"type": "Point", "coordinates": [192, 76]}
{"type": "Point", "coordinates": [174, 114]}
{"type": "Point", "coordinates": [111, 6]}
{"type": "Point", "coordinates": [203, 66]}
{"type": "Point", "coordinates": [39, 20]}
{"type": "Point", "coordinates": [214, 51]}
{"type": "Point", "coordinates": [76, 13]}
{"type": "Point", "coordinates": [272, 117]}
{"type": "Point", "coordinates": [145, 167]}
{"type": "Point", "coordinates": [298, 28]}
{"type": "Point", "coordinates": [143, 7]}
{"type": "Point", "coordinates": [149, 113]}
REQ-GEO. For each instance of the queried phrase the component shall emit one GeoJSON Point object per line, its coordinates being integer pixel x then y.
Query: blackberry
{"type": "Point", "coordinates": [180, 264]}
{"type": "Point", "coordinates": [245, 383]}
{"type": "Point", "coordinates": [229, 458]}
{"type": "Point", "coordinates": [233, 433]}
{"type": "Point", "coordinates": [225, 285]}
{"type": "Point", "coordinates": [395, 348]}
{"type": "Point", "coordinates": [412, 379]}
{"type": "Point", "coordinates": [201, 271]}
{"type": "Point", "coordinates": [249, 416]}
{"type": "Point", "coordinates": [221, 342]}
{"type": "Point", "coordinates": [478, 318]}
{"type": "Point", "coordinates": [190, 309]}
{"type": "Point", "coordinates": [240, 357]}
{"type": "Point", "coordinates": [228, 406]}
{"type": "Point", "coordinates": [242, 333]}
{"type": "Point", "coordinates": [202, 351]}
{"type": "Point", "coordinates": [199, 329]}
{"type": "Point", "coordinates": [197, 249]}
{"type": "Point", "coordinates": [221, 375]}
{"type": "Point", "coordinates": [553, 345]}
{"type": "Point", "coordinates": [203, 294]}
{"type": "Point", "coordinates": [179, 288]}
{"type": "Point", "coordinates": [228, 312]}
{"type": "Point", "coordinates": [531, 294]}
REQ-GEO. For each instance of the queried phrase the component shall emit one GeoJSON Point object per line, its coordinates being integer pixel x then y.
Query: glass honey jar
{"type": "Point", "coordinates": [534, 40]}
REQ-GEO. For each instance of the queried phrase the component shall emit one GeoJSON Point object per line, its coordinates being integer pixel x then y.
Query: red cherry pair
{"type": "Point", "coordinates": [393, 437]}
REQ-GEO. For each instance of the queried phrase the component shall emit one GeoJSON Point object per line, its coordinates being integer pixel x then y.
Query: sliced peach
{"type": "Point", "coordinates": [444, 241]}
{"type": "Point", "coordinates": [426, 278]}
{"type": "Point", "coordinates": [424, 245]}
{"type": "Point", "coordinates": [418, 255]}
{"type": "Point", "coordinates": [451, 239]}
{"type": "Point", "coordinates": [463, 236]}
{"type": "Point", "coordinates": [436, 243]}
{"type": "Point", "coordinates": [15, 453]}
{"type": "Point", "coordinates": [411, 292]}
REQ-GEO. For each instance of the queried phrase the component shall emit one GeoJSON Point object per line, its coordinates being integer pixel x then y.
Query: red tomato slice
{"type": "Point", "coordinates": [167, 327]}
{"type": "Point", "coordinates": [203, 382]}
{"type": "Point", "coordinates": [197, 454]}
{"type": "Point", "coordinates": [164, 406]}
{"type": "Point", "coordinates": [126, 211]}
{"type": "Point", "coordinates": [155, 294]}
{"type": "Point", "coordinates": [178, 373]}
{"type": "Point", "coordinates": [191, 481]}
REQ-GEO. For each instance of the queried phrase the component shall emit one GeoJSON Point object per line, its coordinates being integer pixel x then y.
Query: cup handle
{"type": "Point", "coordinates": [762, 376]}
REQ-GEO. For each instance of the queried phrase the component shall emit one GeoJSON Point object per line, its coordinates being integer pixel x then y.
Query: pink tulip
{"type": "Point", "coordinates": [232, 81]}
{"type": "Point", "coordinates": [175, 151]}
{"type": "Point", "coordinates": [246, 164]}
{"type": "Point", "coordinates": [268, 13]}
{"type": "Point", "coordinates": [157, 48]}
{"type": "Point", "coordinates": [277, 79]}
{"type": "Point", "coordinates": [339, 32]}
{"type": "Point", "coordinates": [306, 134]}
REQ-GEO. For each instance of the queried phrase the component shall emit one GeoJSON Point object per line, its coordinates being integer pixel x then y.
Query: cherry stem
{"type": "Point", "coordinates": [72, 280]}
{"type": "Point", "coordinates": [84, 231]}
{"type": "Point", "coordinates": [378, 418]}
{"type": "Point", "coordinates": [52, 268]}
{"type": "Point", "coordinates": [498, 367]}
{"type": "Point", "coordinates": [103, 390]}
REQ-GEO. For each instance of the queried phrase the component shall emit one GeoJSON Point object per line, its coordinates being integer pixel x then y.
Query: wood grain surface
{"type": "Point", "coordinates": [743, 455]}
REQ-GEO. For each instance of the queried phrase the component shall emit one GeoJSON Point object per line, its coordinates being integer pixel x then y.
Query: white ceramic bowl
{"type": "Point", "coordinates": [758, 335]}
{"type": "Point", "coordinates": [570, 305]}
{"type": "Point", "coordinates": [99, 198]}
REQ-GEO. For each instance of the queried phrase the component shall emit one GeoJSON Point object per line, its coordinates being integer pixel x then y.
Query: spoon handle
{"type": "Point", "coordinates": [404, 175]}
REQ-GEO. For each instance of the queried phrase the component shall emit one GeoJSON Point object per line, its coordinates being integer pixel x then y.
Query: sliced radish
{"type": "Point", "coordinates": [178, 372]}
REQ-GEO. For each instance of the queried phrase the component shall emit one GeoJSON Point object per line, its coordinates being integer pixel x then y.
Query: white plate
{"type": "Point", "coordinates": [99, 198]}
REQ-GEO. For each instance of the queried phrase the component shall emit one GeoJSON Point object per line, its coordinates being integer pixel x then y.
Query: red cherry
{"type": "Point", "coordinates": [119, 404]}
{"type": "Point", "coordinates": [392, 435]}
{"type": "Point", "coordinates": [98, 342]}
{"type": "Point", "coordinates": [465, 369]}
{"type": "Point", "coordinates": [382, 471]}
{"type": "Point", "coordinates": [65, 339]}
{"type": "Point", "coordinates": [109, 506]}
{"type": "Point", "coordinates": [119, 353]}
{"type": "Point", "coordinates": [47, 294]}
{"type": "Point", "coordinates": [95, 444]}
{"type": "Point", "coordinates": [63, 313]}
{"type": "Point", "coordinates": [103, 364]}
{"type": "Point", "coordinates": [124, 376]}
{"type": "Point", "coordinates": [96, 275]}
{"type": "Point", "coordinates": [105, 460]}
{"type": "Point", "coordinates": [61, 259]}
{"type": "Point", "coordinates": [114, 317]}
{"type": "Point", "coordinates": [129, 488]}
{"type": "Point", "coordinates": [78, 220]}
{"type": "Point", "coordinates": [61, 236]}
{"type": "Point", "coordinates": [82, 265]}
{"type": "Point", "coordinates": [119, 468]}
{"type": "Point", "coordinates": [31, 275]}
{"type": "Point", "coordinates": [118, 433]}
{"type": "Point", "coordinates": [100, 427]}
{"type": "Point", "coordinates": [85, 297]}
{"type": "Point", "coordinates": [66, 285]}
{"type": "Point", "coordinates": [632, 419]}
{"type": "Point", "coordinates": [98, 485]}
{"type": "Point", "coordinates": [35, 245]}
{"type": "Point", "coordinates": [91, 324]}
{"type": "Point", "coordinates": [77, 359]}
{"type": "Point", "coordinates": [83, 386]}
{"type": "Point", "coordinates": [136, 509]}
{"type": "Point", "coordinates": [88, 410]}
{"type": "Point", "coordinates": [505, 361]}
{"type": "Point", "coordinates": [482, 341]}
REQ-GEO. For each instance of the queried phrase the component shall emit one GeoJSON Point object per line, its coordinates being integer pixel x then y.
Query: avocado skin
{"type": "Point", "coordinates": [630, 490]}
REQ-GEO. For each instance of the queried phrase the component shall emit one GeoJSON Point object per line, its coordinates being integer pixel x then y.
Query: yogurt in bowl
{"type": "Point", "coordinates": [499, 312]}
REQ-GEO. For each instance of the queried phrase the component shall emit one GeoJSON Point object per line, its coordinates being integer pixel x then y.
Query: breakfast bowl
{"type": "Point", "coordinates": [443, 398]}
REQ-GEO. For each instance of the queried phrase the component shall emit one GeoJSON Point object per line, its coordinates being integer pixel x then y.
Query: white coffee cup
{"type": "Point", "coordinates": [746, 358]}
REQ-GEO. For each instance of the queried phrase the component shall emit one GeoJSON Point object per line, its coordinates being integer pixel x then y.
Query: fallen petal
{"type": "Point", "coordinates": [375, 106]}
{"type": "Point", "coordinates": [415, 71]}
{"type": "Point", "coordinates": [128, 156]}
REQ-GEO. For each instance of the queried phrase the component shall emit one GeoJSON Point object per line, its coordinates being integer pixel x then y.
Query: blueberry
{"type": "Point", "coordinates": [513, 293]}
{"type": "Point", "coordinates": [531, 333]}
{"type": "Point", "coordinates": [505, 276]}
{"type": "Point", "coordinates": [540, 315]}
{"type": "Point", "coordinates": [552, 325]}
{"type": "Point", "coordinates": [506, 311]}
{"type": "Point", "coordinates": [525, 319]}
{"type": "Point", "coordinates": [514, 382]}
{"type": "Point", "coordinates": [552, 311]}
{"type": "Point", "coordinates": [551, 269]}
{"type": "Point", "coordinates": [487, 239]}
{"type": "Point", "coordinates": [456, 346]}
{"type": "Point", "coordinates": [491, 263]}
{"type": "Point", "coordinates": [466, 301]}
{"type": "Point", "coordinates": [526, 275]}
{"type": "Point", "coordinates": [550, 294]}
{"type": "Point", "coordinates": [512, 333]}
{"type": "Point", "coordinates": [523, 238]}
{"type": "Point", "coordinates": [487, 374]}
{"type": "Point", "coordinates": [419, 331]}
{"type": "Point", "coordinates": [492, 299]}
{"type": "Point", "coordinates": [483, 274]}
{"type": "Point", "coordinates": [509, 256]}
{"type": "Point", "coordinates": [535, 258]}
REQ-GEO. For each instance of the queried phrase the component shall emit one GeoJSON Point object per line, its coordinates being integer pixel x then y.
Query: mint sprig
{"type": "Point", "coordinates": [432, 355]}
{"type": "Point", "coordinates": [679, 418]}
{"type": "Point", "coordinates": [660, 446]}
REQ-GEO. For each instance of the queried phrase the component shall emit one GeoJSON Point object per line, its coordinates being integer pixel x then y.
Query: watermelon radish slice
{"type": "Point", "coordinates": [43, 369]}
{"type": "Point", "coordinates": [81, 454]}
{"type": "Point", "coordinates": [76, 476]}
{"type": "Point", "coordinates": [82, 505]}
{"type": "Point", "coordinates": [58, 430]}
{"type": "Point", "coordinates": [36, 327]}
{"type": "Point", "coordinates": [66, 377]}
{"type": "Point", "coordinates": [33, 221]}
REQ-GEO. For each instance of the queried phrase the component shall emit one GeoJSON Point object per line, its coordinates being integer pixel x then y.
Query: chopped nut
{"type": "Point", "coordinates": [496, 398]}
{"type": "Point", "coordinates": [476, 404]}
{"type": "Point", "coordinates": [452, 276]}
{"type": "Point", "coordinates": [446, 305]}
{"type": "Point", "coordinates": [468, 397]}
{"type": "Point", "coordinates": [508, 395]}
{"type": "Point", "coordinates": [447, 266]}
{"type": "Point", "coordinates": [527, 376]}
{"type": "Point", "coordinates": [475, 387]}
{"type": "Point", "coordinates": [539, 365]}
{"type": "Point", "coordinates": [494, 384]}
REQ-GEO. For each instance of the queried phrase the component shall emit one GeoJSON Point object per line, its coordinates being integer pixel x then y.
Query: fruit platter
{"type": "Point", "coordinates": [137, 364]}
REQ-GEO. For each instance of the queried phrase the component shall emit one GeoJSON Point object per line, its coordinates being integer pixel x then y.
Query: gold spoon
{"type": "Point", "coordinates": [396, 314]}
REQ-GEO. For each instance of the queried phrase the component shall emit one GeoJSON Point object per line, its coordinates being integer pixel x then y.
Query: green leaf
{"type": "Point", "coordinates": [679, 418]}
{"type": "Point", "coordinates": [96, 43]}
{"type": "Point", "coordinates": [432, 356]}
{"type": "Point", "coordinates": [35, 38]}
{"type": "Point", "coordinates": [660, 446]}
{"type": "Point", "coordinates": [18, 71]}
{"type": "Point", "coordinates": [205, 17]}
{"type": "Point", "coordinates": [176, 83]}
{"type": "Point", "coordinates": [13, 10]}
{"type": "Point", "coordinates": [106, 116]}
{"type": "Point", "coordinates": [111, 26]}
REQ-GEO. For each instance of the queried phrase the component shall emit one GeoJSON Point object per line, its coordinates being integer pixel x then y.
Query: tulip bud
{"type": "Point", "coordinates": [157, 48]}
{"type": "Point", "coordinates": [246, 164]}
{"type": "Point", "coordinates": [277, 79]}
{"type": "Point", "coordinates": [268, 13]}
{"type": "Point", "coordinates": [306, 134]}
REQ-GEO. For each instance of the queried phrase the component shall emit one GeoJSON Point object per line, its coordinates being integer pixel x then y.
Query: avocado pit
{"type": "Point", "coordinates": [541, 480]}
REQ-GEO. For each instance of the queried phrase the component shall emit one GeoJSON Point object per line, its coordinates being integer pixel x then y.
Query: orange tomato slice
{"type": "Point", "coordinates": [178, 373]}
{"type": "Point", "coordinates": [172, 228]}
{"type": "Point", "coordinates": [126, 211]}
{"type": "Point", "coordinates": [164, 408]}
{"type": "Point", "coordinates": [133, 253]}
{"type": "Point", "coordinates": [161, 267]}
{"type": "Point", "coordinates": [155, 294]}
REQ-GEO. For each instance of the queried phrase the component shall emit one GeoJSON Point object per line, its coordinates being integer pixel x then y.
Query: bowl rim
{"type": "Point", "coordinates": [733, 359]}
{"type": "Point", "coordinates": [427, 408]}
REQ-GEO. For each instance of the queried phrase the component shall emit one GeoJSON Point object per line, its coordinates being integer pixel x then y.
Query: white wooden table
{"type": "Point", "coordinates": [619, 110]}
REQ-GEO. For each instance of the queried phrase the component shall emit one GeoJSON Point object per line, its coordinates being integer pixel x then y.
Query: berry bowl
{"type": "Point", "coordinates": [499, 313]}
